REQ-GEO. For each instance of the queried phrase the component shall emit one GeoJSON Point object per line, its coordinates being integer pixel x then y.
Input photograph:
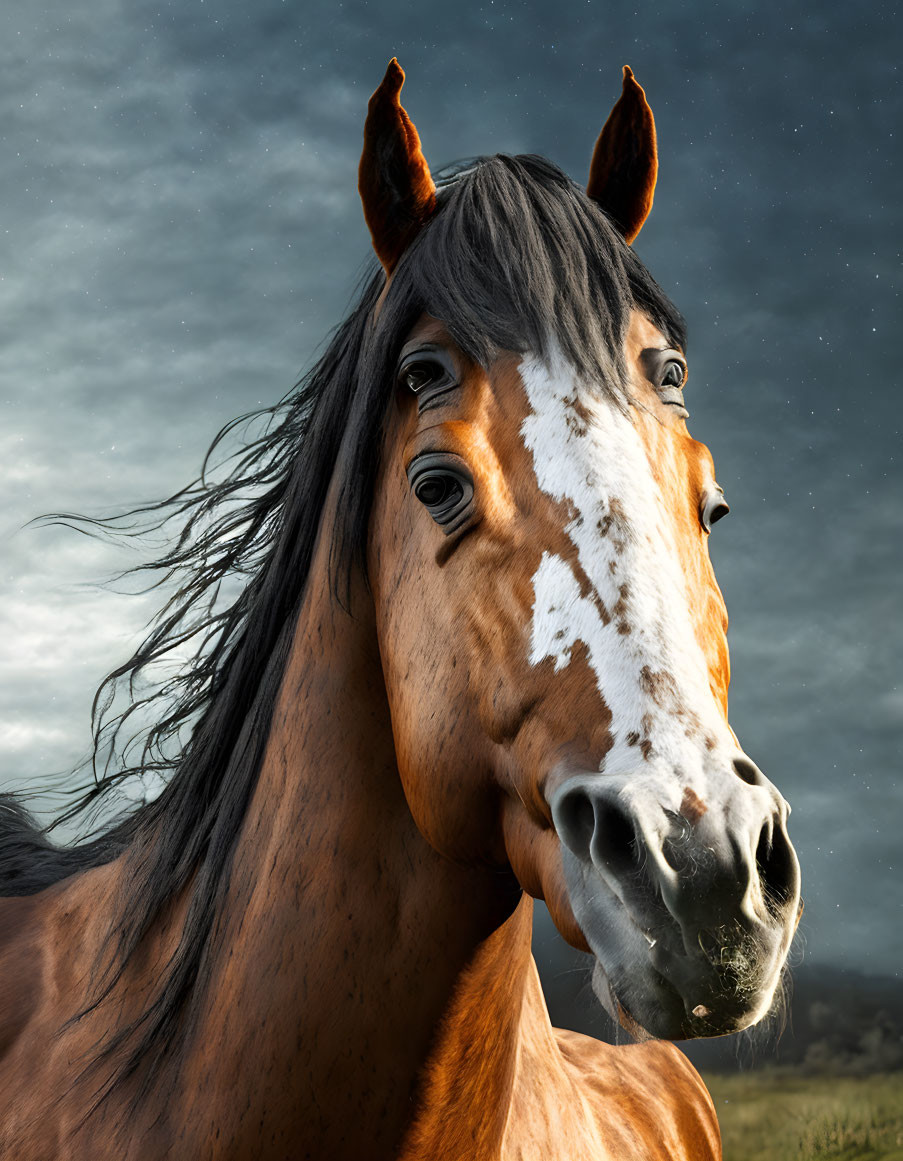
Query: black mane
{"type": "Point", "coordinates": [517, 257]}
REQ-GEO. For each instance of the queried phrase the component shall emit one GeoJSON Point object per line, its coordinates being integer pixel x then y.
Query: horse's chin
{"type": "Point", "coordinates": [649, 1007]}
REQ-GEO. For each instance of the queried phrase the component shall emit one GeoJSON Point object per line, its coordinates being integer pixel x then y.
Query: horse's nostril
{"type": "Point", "coordinates": [679, 850]}
{"type": "Point", "coordinates": [597, 830]}
{"type": "Point", "coordinates": [577, 822]}
{"type": "Point", "coordinates": [677, 854]}
{"type": "Point", "coordinates": [616, 842]}
{"type": "Point", "coordinates": [776, 864]}
{"type": "Point", "coordinates": [748, 772]}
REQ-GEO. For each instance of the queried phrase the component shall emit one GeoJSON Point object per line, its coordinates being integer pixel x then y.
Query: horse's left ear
{"type": "Point", "coordinates": [625, 161]}
{"type": "Point", "coordinates": [394, 180]}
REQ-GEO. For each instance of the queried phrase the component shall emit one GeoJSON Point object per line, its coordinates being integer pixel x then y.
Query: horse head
{"type": "Point", "coordinates": [552, 635]}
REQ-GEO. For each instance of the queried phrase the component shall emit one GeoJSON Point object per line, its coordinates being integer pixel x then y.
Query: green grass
{"type": "Point", "coordinates": [779, 1115]}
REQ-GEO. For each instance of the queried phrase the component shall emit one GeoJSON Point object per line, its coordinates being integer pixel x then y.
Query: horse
{"type": "Point", "coordinates": [478, 658]}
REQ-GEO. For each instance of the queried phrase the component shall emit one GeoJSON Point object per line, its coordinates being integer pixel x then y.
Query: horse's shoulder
{"type": "Point", "coordinates": [660, 1097]}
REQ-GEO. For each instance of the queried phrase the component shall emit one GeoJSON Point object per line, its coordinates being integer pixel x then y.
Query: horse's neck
{"type": "Point", "coordinates": [356, 969]}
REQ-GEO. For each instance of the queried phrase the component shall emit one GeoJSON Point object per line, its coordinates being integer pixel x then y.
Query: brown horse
{"type": "Point", "coordinates": [480, 656]}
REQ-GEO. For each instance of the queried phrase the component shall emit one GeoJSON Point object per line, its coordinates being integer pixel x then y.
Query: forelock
{"type": "Point", "coordinates": [518, 258]}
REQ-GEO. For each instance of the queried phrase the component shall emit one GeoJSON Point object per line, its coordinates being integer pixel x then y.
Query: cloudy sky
{"type": "Point", "coordinates": [180, 229]}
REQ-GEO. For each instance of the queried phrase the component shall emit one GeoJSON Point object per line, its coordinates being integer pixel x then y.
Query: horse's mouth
{"type": "Point", "coordinates": [677, 997]}
{"type": "Point", "coordinates": [654, 985]}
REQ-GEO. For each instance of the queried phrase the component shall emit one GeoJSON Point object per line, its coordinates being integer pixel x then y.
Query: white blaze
{"type": "Point", "coordinates": [600, 467]}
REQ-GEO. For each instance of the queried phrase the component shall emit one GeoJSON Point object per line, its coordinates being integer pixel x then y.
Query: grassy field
{"type": "Point", "coordinates": [784, 1116]}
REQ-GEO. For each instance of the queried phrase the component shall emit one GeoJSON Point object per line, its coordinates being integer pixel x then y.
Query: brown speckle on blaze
{"type": "Point", "coordinates": [576, 416]}
{"type": "Point", "coordinates": [604, 615]}
{"type": "Point", "coordinates": [632, 738]}
{"type": "Point", "coordinates": [603, 525]}
{"type": "Point", "coordinates": [613, 525]}
{"type": "Point", "coordinates": [621, 527]}
{"type": "Point", "coordinates": [621, 609]}
{"type": "Point", "coordinates": [710, 742]}
{"type": "Point", "coordinates": [646, 749]}
{"type": "Point", "coordinates": [692, 808]}
{"type": "Point", "coordinates": [661, 687]}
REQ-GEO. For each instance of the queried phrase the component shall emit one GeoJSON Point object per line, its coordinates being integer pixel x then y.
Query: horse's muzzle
{"type": "Point", "coordinates": [690, 908]}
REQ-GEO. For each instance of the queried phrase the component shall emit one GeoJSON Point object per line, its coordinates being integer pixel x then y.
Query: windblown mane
{"type": "Point", "coordinates": [517, 257]}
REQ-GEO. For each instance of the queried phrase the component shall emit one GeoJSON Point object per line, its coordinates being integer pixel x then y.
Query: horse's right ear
{"type": "Point", "coordinates": [394, 180]}
{"type": "Point", "coordinates": [625, 161]}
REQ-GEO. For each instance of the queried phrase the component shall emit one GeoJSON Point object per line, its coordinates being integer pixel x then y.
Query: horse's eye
{"type": "Point", "coordinates": [437, 490]}
{"type": "Point", "coordinates": [714, 507]}
{"type": "Point", "coordinates": [443, 484]}
{"type": "Point", "coordinates": [674, 374]}
{"type": "Point", "coordinates": [416, 376]}
{"type": "Point", "coordinates": [429, 375]}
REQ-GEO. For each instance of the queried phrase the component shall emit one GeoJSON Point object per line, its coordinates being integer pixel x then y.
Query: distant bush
{"type": "Point", "coordinates": [843, 1043]}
